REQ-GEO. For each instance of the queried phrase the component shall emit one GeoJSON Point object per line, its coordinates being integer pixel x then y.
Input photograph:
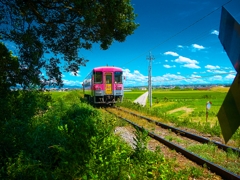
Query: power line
{"type": "Point", "coordinates": [201, 36]}
{"type": "Point", "coordinates": [184, 29]}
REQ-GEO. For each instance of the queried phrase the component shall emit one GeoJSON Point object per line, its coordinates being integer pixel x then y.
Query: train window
{"type": "Point", "coordinates": [98, 77]}
{"type": "Point", "coordinates": [108, 78]}
{"type": "Point", "coordinates": [118, 77]}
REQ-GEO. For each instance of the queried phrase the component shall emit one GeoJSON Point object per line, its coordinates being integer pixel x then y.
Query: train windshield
{"type": "Point", "coordinates": [97, 77]}
{"type": "Point", "coordinates": [118, 77]}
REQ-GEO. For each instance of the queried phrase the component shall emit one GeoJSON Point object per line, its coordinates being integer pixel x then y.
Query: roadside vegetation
{"type": "Point", "coordinates": [69, 139]}
{"type": "Point", "coordinates": [229, 160]}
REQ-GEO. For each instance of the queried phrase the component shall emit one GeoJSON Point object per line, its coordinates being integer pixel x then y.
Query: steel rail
{"type": "Point", "coordinates": [224, 173]}
{"type": "Point", "coordinates": [187, 134]}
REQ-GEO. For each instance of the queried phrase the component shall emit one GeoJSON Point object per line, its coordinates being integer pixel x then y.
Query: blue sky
{"type": "Point", "coordinates": [182, 36]}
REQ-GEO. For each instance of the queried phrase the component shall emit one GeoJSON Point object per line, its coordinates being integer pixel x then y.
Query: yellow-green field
{"type": "Point", "coordinates": [180, 103]}
{"type": "Point", "coordinates": [186, 103]}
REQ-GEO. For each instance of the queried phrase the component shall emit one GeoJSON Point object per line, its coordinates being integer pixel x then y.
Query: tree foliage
{"type": "Point", "coordinates": [9, 69]}
{"type": "Point", "coordinates": [61, 28]}
{"type": "Point", "coordinates": [34, 142]}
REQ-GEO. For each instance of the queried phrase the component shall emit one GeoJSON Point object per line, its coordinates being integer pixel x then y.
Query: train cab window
{"type": "Point", "coordinates": [118, 77]}
{"type": "Point", "coordinates": [98, 77]}
{"type": "Point", "coordinates": [108, 78]}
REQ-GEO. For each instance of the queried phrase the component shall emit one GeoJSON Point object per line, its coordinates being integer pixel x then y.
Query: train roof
{"type": "Point", "coordinates": [107, 68]}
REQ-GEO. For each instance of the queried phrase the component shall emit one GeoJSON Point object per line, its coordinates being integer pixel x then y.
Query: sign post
{"type": "Point", "coordinates": [229, 113]}
{"type": "Point", "coordinates": [208, 106]}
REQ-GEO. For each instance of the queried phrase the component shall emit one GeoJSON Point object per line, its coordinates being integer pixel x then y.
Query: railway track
{"type": "Point", "coordinates": [224, 173]}
{"type": "Point", "coordinates": [185, 133]}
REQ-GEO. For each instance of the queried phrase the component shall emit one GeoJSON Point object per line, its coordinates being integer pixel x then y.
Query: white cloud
{"type": "Point", "coordinates": [188, 63]}
{"type": "Point", "coordinates": [218, 77]}
{"type": "Point", "coordinates": [182, 59]}
{"type": "Point", "coordinates": [173, 76]}
{"type": "Point", "coordinates": [135, 77]}
{"type": "Point", "coordinates": [211, 67]}
{"type": "Point", "coordinates": [230, 77]}
{"type": "Point", "coordinates": [136, 72]}
{"type": "Point", "coordinates": [167, 79]}
{"type": "Point", "coordinates": [72, 83]}
{"type": "Point", "coordinates": [199, 47]}
{"type": "Point", "coordinates": [195, 76]}
{"type": "Point", "coordinates": [180, 46]}
{"type": "Point", "coordinates": [215, 32]}
{"type": "Point", "coordinates": [171, 79]}
{"type": "Point", "coordinates": [191, 66]}
{"type": "Point", "coordinates": [158, 79]}
{"type": "Point", "coordinates": [171, 53]}
{"type": "Point", "coordinates": [168, 66]}
{"type": "Point", "coordinates": [217, 71]}
{"type": "Point", "coordinates": [166, 60]}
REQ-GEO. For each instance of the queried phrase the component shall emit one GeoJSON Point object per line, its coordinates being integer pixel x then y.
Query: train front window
{"type": "Point", "coordinates": [98, 77]}
{"type": "Point", "coordinates": [118, 77]}
{"type": "Point", "coordinates": [108, 78]}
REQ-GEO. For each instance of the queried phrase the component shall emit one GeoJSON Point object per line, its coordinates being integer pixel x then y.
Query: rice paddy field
{"type": "Point", "coordinates": [186, 103]}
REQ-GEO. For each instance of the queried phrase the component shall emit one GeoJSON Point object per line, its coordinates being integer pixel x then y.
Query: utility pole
{"type": "Point", "coordinates": [150, 58]}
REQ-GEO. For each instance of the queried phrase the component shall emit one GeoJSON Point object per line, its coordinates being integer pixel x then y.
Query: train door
{"type": "Point", "coordinates": [108, 83]}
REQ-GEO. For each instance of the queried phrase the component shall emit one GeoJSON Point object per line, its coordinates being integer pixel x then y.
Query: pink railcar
{"type": "Point", "coordinates": [104, 85]}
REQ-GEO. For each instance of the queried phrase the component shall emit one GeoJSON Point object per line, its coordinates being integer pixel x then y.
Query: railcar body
{"type": "Point", "coordinates": [104, 85]}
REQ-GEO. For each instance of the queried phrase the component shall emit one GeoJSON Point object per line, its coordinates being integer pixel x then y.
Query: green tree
{"type": "Point", "coordinates": [9, 69]}
{"type": "Point", "coordinates": [62, 28]}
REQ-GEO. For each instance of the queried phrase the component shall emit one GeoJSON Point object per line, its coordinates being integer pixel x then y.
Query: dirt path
{"type": "Point", "coordinates": [142, 99]}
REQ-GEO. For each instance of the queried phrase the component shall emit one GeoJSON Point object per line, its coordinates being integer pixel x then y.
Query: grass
{"type": "Point", "coordinates": [159, 167]}
{"type": "Point", "coordinates": [132, 95]}
{"type": "Point", "coordinates": [229, 160]}
{"type": "Point", "coordinates": [164, 102]}
{"type": "Point", "coordinates": [167, 101]}
{"type": "Point", "coordinates": [189, 109]}
{"type": "Point", "coordinates": [112, 158]}
{"type": "Point", "coordinates": [172, 138]}
{"type": "Point", "coordinates": [58, 94]}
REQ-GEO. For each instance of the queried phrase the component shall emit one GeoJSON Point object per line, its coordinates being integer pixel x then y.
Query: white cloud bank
{"type": "Point", "coordinates": [191, 66]}
{"type": "Point", "coordinates": [168, 66]}
{"type": "Point", "coordinates": [182, 59]}
{"type": "Point", "coordinates": [187, 62]}
{"type": "Point", "coordinates": [135, 78]}
{"type": "Point", "coordinates": [171, 53]}
{"type": "Point", "coordinates": [199, 47]}
{"type": "Point", "coordinates": [211, 67]}
{"type": "Point", "coordinates": [72, 83]}
{"type": "Point", "coordinates": [215, 32]}
{"type": "Point", "coordinates": [230, 77]}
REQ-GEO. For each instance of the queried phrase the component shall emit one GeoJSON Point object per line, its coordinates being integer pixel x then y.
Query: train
{"type": "Point", "coordinates": [104, 85]}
